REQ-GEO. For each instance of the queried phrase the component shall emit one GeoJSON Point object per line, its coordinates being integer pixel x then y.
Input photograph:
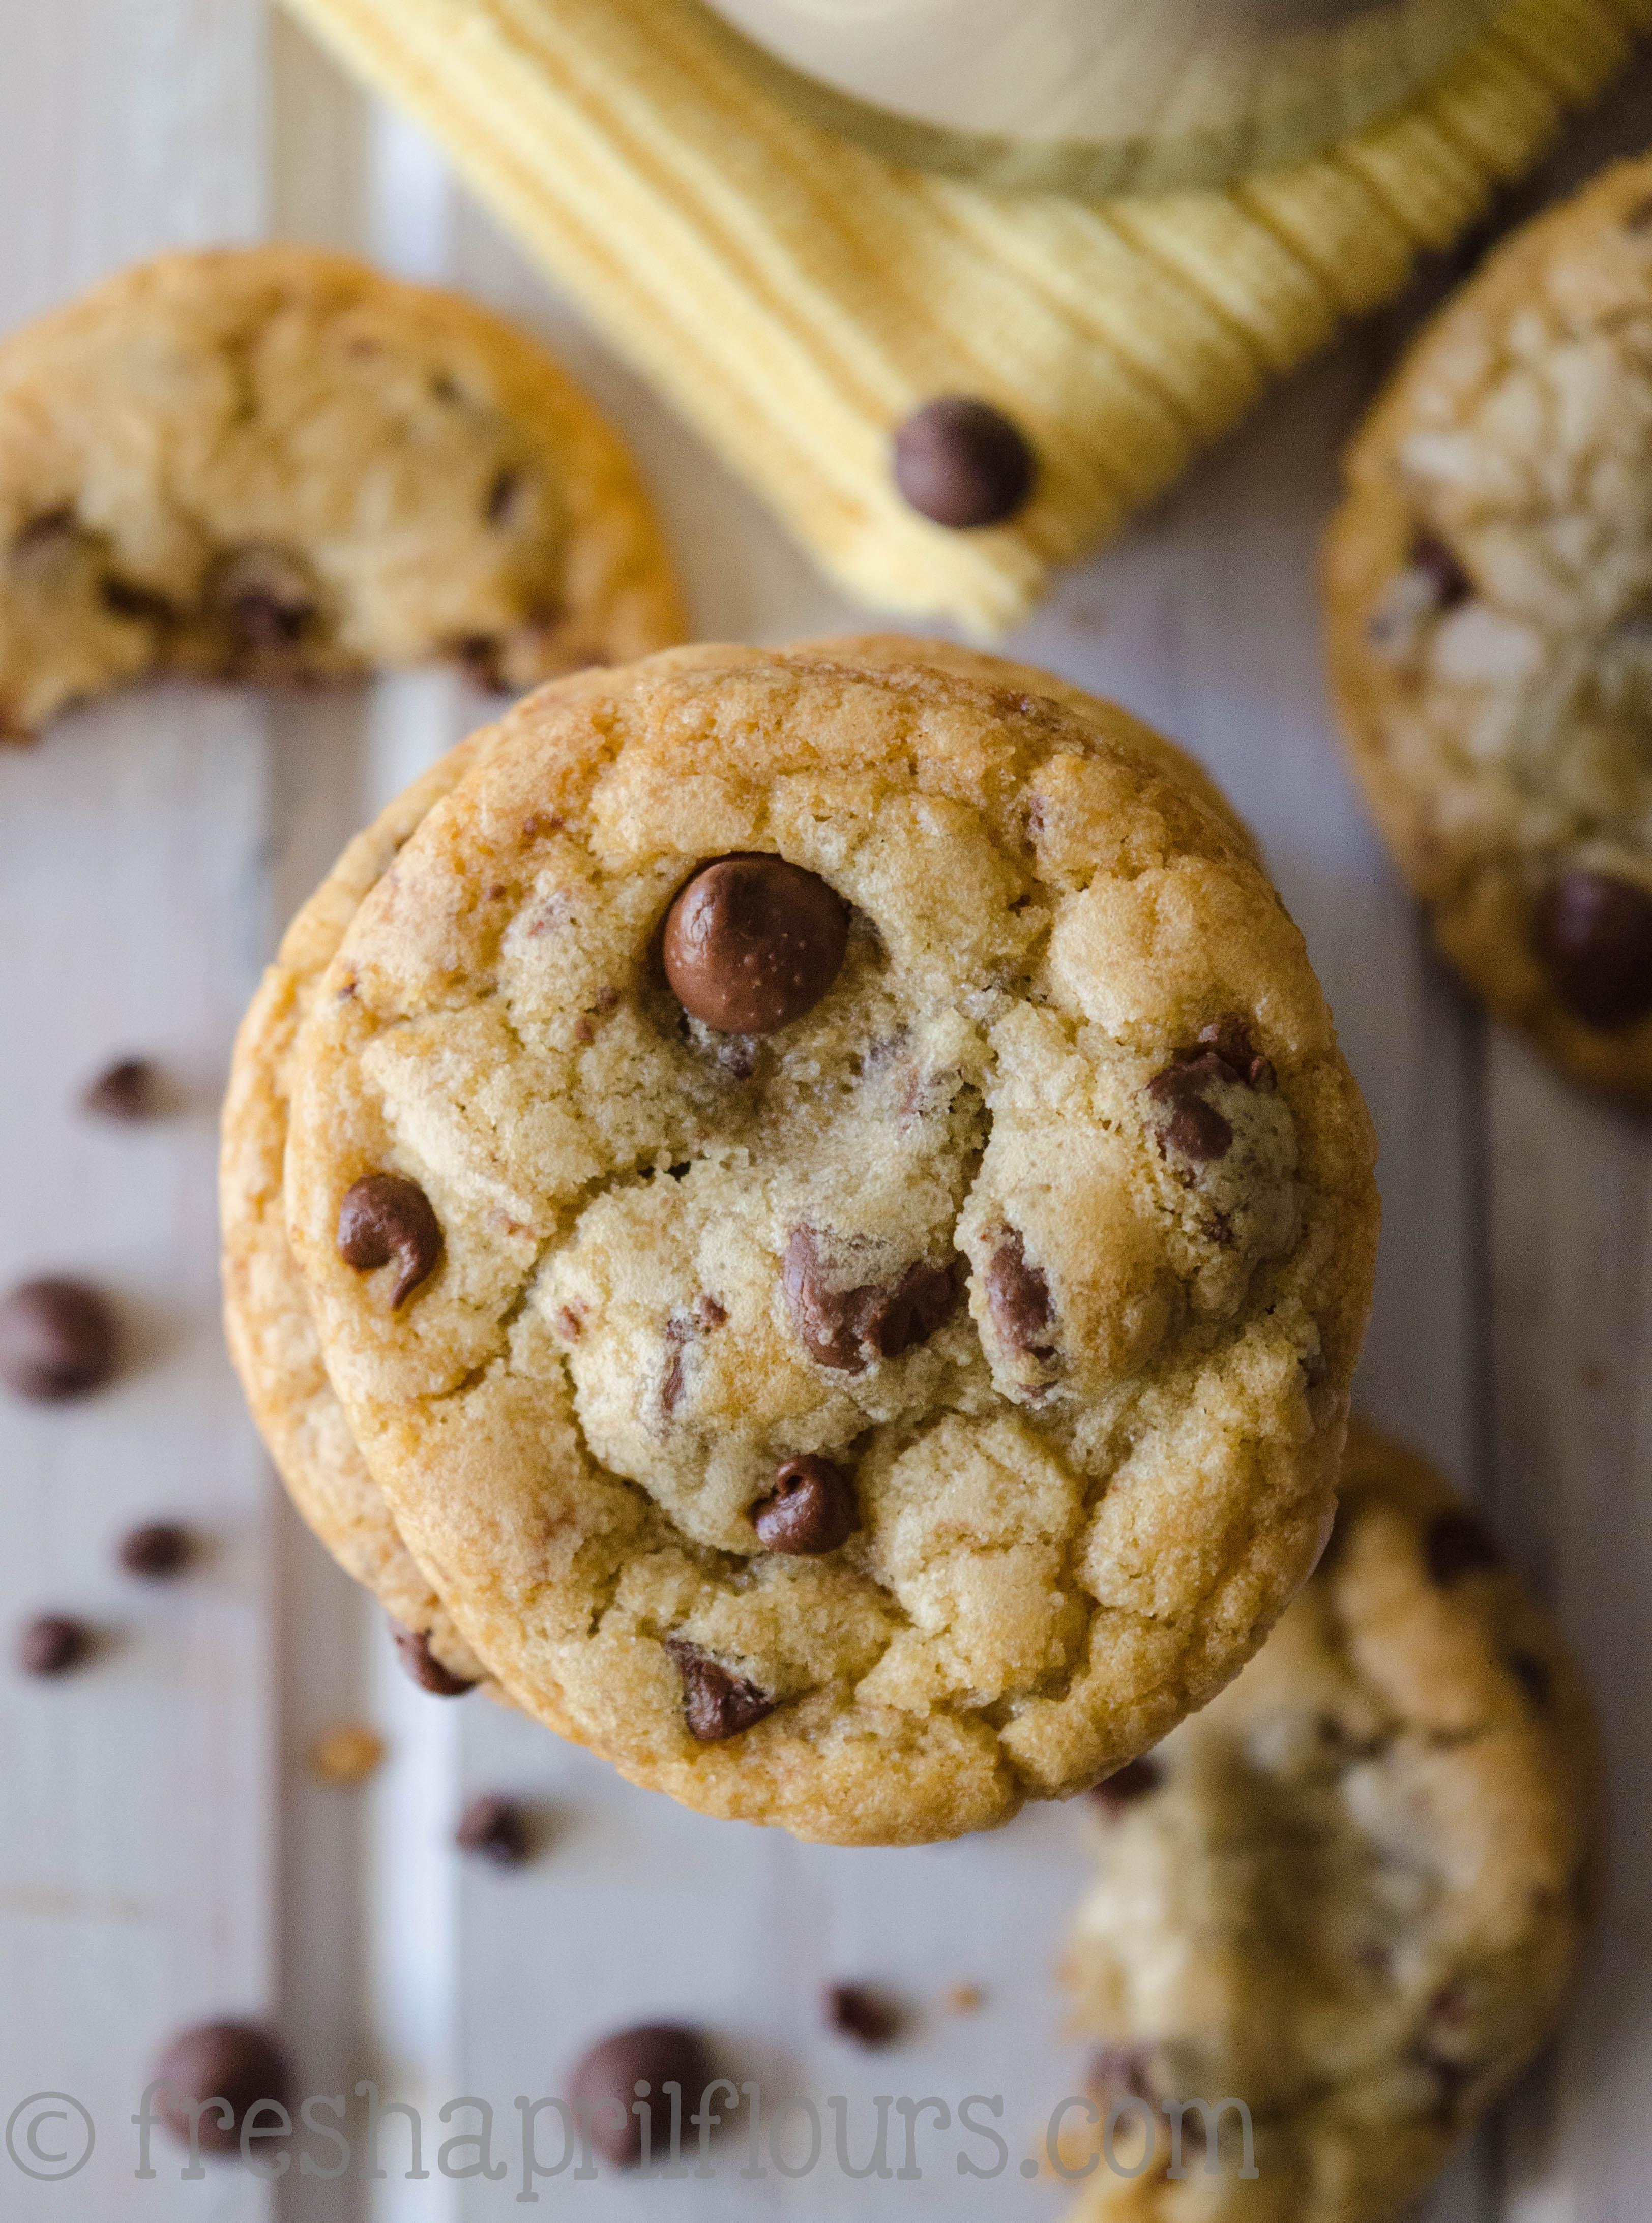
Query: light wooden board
{"type": "Point", "coordinates": [167, 1855]}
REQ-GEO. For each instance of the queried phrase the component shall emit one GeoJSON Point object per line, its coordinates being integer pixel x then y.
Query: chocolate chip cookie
{"type": "Point", "coordinates": [1351, 1893]}
{"type": "Point", "coordinates": [1489, 591]}
{"type": "Point", "coordinates": [874, 1230]}
{"type": "Point", "coordinates": [275, 463]}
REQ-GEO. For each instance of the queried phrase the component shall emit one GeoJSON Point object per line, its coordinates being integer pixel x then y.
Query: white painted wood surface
{"type": "Point", "coordinates": [165, 1854]}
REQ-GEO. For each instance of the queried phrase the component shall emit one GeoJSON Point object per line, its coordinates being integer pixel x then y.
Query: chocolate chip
{"type": "Point", "coordinates": [156, 1549]}
{"type": "Point", "coordinates": [130, 1090]}
{"type": "Point", "coordinates": [1018, 1298]}
{"type": "Point", "coordinates": [1435, 561]}
{"type": "Point", "coordinates": [870, 2018]}
{"type": "Point", "coordinates": [385, 1217]}
{"type": "Point", "coordinates": [709, 1314]}
{"type": "Point", "coordinates": [1224, 1055]}
{"type": "Point", "coordinates": [495, 1829]}
{"type": "Point", "coordinates": [716, 1704]}
{"type": "Point", "coordinates": [963, 464]}
{"type": "Point", "coordinates": [653, 2055]}
{"type": "Point", "coordinates": [1197, 1131]}
{"type": "Point", "coordinates": [501, 496]}
{"type": "Point", "coordinates": [1639, 218]}
{"type": "Point", "coordinates": [1593, 934]}
{"type": "Point", "coordinates": [1134, 1780]}
{"type": "Point", "coordinates": [1533, 1675]}
{"type": "Point", "coordinates": [58, 1341]}
{"type": "Point", "coordinates": [1457, 1545]}
{"type": "Point", "coordinates": [1229, 1037]}
{"type": "Point", "coordinates": [269, 597]}
{"type": "Point", "coordinates": [849, 1328]}
{"type": "Point", "coordinates": [413, 1649]}
{"type": "Point", "coordinates": [52, 1644]}
{"type": "Point", "coordinates": [753, 942]}
{"type": "Point", "coordinates": [482, 656]}
{"type": "Point", "coordinates": [53, 529]}
{"type": "Point", "coordinates": [811, 1508]}
{"type": "Point", "coordinates": [678, 1331]}
{"type": "Point", "coordinates": [125, 598]}
{"type": "Point", "coordinates": [235, 2062]}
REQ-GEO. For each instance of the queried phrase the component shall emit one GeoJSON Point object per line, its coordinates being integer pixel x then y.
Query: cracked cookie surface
{"type": "Point", "coordinates": [1488, 583]}
{"type": "Point", "coordinates": [1045, 1224]}
{"type": "Point", "coordinates": [1351, 1893]}
{"type": "Point", "coordinates": [271, 463]}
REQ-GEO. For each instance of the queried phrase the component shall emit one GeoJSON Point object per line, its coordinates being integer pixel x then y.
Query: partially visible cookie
{"type": "Point", "coordinates": [271, 1337]}
{"type": "Point", "coordinates": [834, 1211]}
{"type": "Point", "coordinates": [1488, 583]}
{"type": "Point", "coordinates": [1350, 1893]}
{"type": "Point", "coordinates": [271, 463]}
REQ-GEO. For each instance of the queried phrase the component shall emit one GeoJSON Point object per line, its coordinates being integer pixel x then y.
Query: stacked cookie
{"type": "Point", "coordinates": [1350, 1894]}
{"type": "Point", "coordinates": [802, 1211]}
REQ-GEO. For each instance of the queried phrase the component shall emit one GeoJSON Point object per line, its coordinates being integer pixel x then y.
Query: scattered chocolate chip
{"type": "Point", "coordinates": [385, 1217]}
{"type": "Point", "coordinates": [963, 464]}
{"type": "Point", "coordinates": [52, 1644]}
{"type": "Point", "coordinates": [849, 1329]}
{"type": "Point", "coordinates": [495, 1829]}
{"type": "Point", "coordinates": [811, 1508]}
{"type": "Point", "coordinates": [1196, 1130]}
{"type": "Point", "coordinates": [606, 2082]}
{"type": "Point", "coordinates": [1533, 1675]}
{"type": "Point", "coordinates": [709, 1314]}
{"type": "Point", "coordinates": [1118, 2072]}
{"type": "Point", "coordinates": [870, 2018]}
{"type": "Point", "coordinates": [1225, 1053]}
{"type": "Point", "coordinates": [1457, 1545]}
{"type": "Point", "coordinates": [716, 1704]}
{"type": "Point", "coordinates": [130, 1090]}
{"type": "Point", "coordinates": [58, 1341]}
{"type": "Point", "coordinates": [1017, 1299]}
{"type": "Point", "coordinates": [156, 1549]}
{"type": "Point", "coordinates": [413, 1649]}
{"type": "Point", "coordinates": [233, 2062]}
{"type": "Point", "coordinates": [348, 1753]}
{"type": "Point", "coordinates": [1134, 1780]}
{"type": "Point", "coordinates": [1593, 934]}
{"type": "Point", "coordinates": [753, 942]}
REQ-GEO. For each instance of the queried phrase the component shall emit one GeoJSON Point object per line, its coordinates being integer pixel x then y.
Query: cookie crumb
{"type": "Point", "coordinates": [348, 1753]}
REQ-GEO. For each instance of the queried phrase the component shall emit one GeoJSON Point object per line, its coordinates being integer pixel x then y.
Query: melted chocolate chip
{"type": "Point", "coordinates": [1197, 1131]}
{"type": "Point", "coordinates": [413, 1650]}
{"type": "Point", "coordinates": [1229, 1038]}
{"type": "Point", "coordinates": [1017, 1299]}
{"type": "Point", "coordinates": [233, 2063]}
{"type": "Point", "coordinates": [1136, 1780]}
{"type": "Point", "coordinates": [156, 1549]}
{"type": "Point", "coordinates": [495, 1830]}
{"type": "Point", "coordinates": [849, 1329]}
{"type": "Point", "coordinates": [753, 942]}
{"type": "Point", "coordinates": [869, 2017]}
{"type": "Point", "coordinates": [58, 1341]}
{"type": "Point", "coordinates": [385, 1217]}
{"type": "Point", "coordinates": [604, 2088]}
{"type": "Point", "coordinates": [716, 1704]}
{"type": "Point", "coordinates": [811, 1508]}
{"type": "Point", "coordinates": [963, 464]}
{"type": "Point", "coordinates": [1593, 934]}
{"type": "Point", "coordinates": [1457, 1545]}
{"type": "Point", "coordinates": [130, 1090]}
{"type": "Point", "coordinates": [1224, 1054]}
{"type": "Point", "coordinates": [52, 1644]}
